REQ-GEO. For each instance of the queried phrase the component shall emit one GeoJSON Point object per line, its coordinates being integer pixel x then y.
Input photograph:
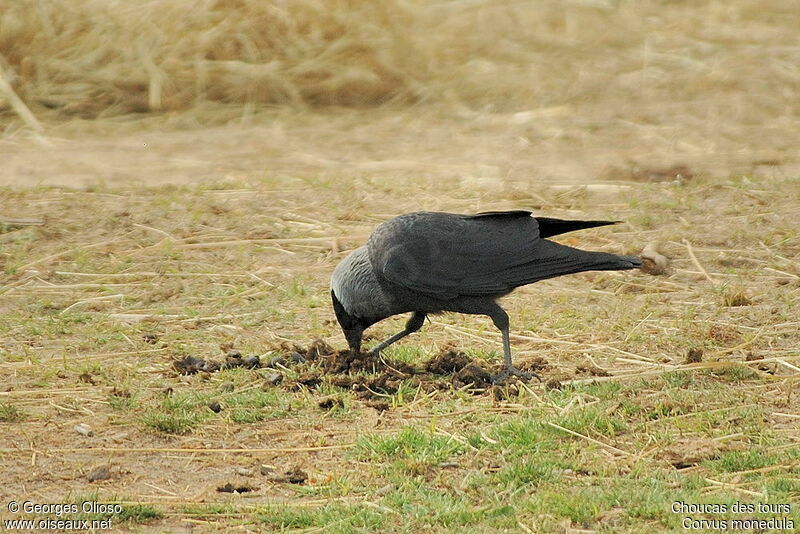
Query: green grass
{"type": "Point", "coordinates": [183, 412]}
{"type": "Point", "coordinates": [178, 421]}
{"type": "Point", "coordinates": [332, 518]}
{"type": "Point", "coordinates": [255, 405]}
{"type": "Point", "coordinates": [412, 450]}
{"type": "Point", "coordinates": [123, 401]}
{"type": "Point", "coordinates": [438, 460]}
{"type": "Point", "coordinates": [733, 461]}
{"type": "Point", "coordinates": [593, 420]}
{"type": "Point", "coordinates": [549, 477]}
{"type": "Point", "coordinates": [128, 513]}
{"type": "Point", "coordinates": [11, 414]}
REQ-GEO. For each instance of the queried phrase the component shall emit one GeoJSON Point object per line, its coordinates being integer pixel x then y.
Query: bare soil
{"type": "Point", "coordinates": [485, 151]}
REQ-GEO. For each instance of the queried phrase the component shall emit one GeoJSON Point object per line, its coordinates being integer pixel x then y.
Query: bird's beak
{"type": "Point", "coordinates": [353, 337]}
{"type": "Point", "coordinates": [352, 327]}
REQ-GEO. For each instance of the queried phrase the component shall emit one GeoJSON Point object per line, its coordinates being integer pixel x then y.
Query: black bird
{"type": "Point", "coordinates": [431, 262]}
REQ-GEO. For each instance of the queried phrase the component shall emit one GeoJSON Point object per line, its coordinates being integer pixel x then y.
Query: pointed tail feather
{"type": "Point", "coordinates": [550, 227]}
{"type": "Point", "coordinates": [587, 261]}
{"type": "Point", "coordinates": [555, 260]}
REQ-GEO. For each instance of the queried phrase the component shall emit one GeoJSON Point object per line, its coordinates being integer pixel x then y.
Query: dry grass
{"type": "Point", "coordinates": [676, 117]}
{"type": "Point", "coordinates": [503, 92]}
{"type": "Point", "coordinates": [101, 58]}
{"type": "Point", "coordinates": [246, 265]}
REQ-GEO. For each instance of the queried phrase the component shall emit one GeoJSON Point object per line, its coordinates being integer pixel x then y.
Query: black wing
{"type": "Point", "coordinates": [547, 225]}
{"type": "Point", "coordinates": [446, 255]}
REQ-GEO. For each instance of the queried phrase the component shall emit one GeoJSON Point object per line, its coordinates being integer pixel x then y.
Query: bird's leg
{"type": "Point", "coordinates": [414, 323]}
{"type": "Point", "coordinates": [500, 320]}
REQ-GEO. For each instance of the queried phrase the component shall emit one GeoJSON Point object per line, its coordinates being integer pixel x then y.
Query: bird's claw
{"type": "Point", "coordinates": [501, 377]}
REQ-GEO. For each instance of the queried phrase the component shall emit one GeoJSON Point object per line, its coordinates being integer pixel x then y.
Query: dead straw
{"type": "Point", "coordinates": [696, 262]}
{"type": "Point", "coordinates": [587, 438]}
{"type": "Point", "coordinates": [16, 102]}
{"type": "Point", "coordinates": [178, 450]}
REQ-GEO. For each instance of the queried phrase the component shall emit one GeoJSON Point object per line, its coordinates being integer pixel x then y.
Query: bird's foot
{"type": "Point", "coordinates": [507, 371]}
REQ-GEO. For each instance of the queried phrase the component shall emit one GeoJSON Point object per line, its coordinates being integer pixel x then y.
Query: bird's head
{"type": "Point", "coordinates": [358, 299]}
{"type": "Point", "coordinates": [352, 325]}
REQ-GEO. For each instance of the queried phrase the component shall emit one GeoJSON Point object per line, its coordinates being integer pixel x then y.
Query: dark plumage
{"type": "Point", "coordinates": [430, 262]}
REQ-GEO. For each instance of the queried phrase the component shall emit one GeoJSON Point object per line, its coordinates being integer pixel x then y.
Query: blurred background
{"type": "Point", "coordinates": [499, 93]}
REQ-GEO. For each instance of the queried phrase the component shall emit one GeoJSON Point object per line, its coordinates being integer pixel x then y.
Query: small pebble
{"type": "Point", "coordinates": [245, 472]}
{"type": "Point", "coordinates": [251, 362]}
{"type": "Point", "coordinates": [284, 361]}
{"type": "Point", "coordinates": [694, 356]}
{"type": "Point", "coordinates": [329, 403]}
{"type": "Point", "coordinates": [189, 365]}
{"type": "Point", "coordinates": [215, 406]}
{"type": "Point", "coordinates": [232, 360]}
{"type": "Point", "coordinates": [84, 429]}
{"type": "Point", "coordinates": [388, 488]}
{"type": "Point", "coordinates": [99, 473]}
{"type": "Point", "coordinates": [230, 488]}
{"type": "Point", "coordinates": [296, 476]}
{"type": "Point", "coordinates": [152, 339]}
{"type": "Point", "coordinates": [120, 437]}
{"type": "Point", "coordinates": [378, 405]}
{"type": "Point", "coordinates": [86, 378]}
{"type": "Point", "coordinates": [267, 469]}
{"type": "Point", "coordinates": [277, 361]}
{"type": "Point", "coordinates": [296, 357]}
{"type": "Point", "coordinates": [273, 379]}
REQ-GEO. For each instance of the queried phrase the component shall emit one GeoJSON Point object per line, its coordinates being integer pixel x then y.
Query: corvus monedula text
{"type": "Point", "coordinates": [428, 262]}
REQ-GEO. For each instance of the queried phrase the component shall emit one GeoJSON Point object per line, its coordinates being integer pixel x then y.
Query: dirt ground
{"type": "Point", "coordinates": [130, 242]}
{"type": "Point", "coordinates": [95, 315]}
{"type": "Point", "coordinates": [550, 146]}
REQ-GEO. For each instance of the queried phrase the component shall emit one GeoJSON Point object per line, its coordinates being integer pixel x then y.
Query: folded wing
{"type": "Point", "coordinates": [446, 255]}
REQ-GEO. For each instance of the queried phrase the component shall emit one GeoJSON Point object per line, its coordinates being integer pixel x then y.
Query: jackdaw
{"type": "Point", "coordinates": [431, 262]}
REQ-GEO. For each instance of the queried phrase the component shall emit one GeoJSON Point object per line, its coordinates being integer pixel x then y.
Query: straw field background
{"type": "Point", "coordinates": [544, 91]}
{"type": "Point", "coordinates": [178, 179]}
